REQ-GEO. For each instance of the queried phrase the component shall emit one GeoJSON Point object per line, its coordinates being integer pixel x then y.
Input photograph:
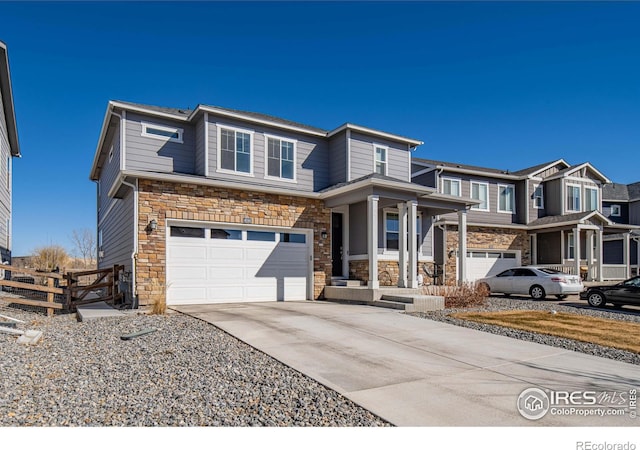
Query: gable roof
{"type": "Point", "coordinates": [568, 219]}
{"type": "Point", "coordinates": [534, 170]}
{"type": "Point", "coordinates": [7, 101]}
{"type": "Point", "coordinates": [463, 168]}
{"type": "Point", "coordinates": [572, 169]}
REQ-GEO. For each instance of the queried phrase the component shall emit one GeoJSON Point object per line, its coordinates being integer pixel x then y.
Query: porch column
{"type": "Point", "coordinates": [372, 240]}
{"type": "Point", "coordinates": [412, 207]}
{"type": "Point", "coordinates": [589, 254]}
{"type": "Point", "coordinates": [599, 254]}
{"type": "Point", "coordinates": [462, 246]}
{"type": "Point", "coordinates": [402, 244]}
{"type": "Point", "coordinates": [576, 249]}
{"type": "Point", "coordinates": [626, 255]}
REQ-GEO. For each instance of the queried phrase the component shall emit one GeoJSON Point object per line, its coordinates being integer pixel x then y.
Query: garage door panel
{"type": "Point", "coordinates": [185, 294]}
{"type": "Point", "coordinates": [229, 292]}
{"type": "Point", "coordinates": [189, 273]}
{"type": "Point", "coordinates": [187, 253]}
{"type": "Point", "coordinates": [226, 254]}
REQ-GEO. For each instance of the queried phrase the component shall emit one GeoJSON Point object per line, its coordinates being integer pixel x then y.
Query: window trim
{"type": "Point", "coordinates": [451, 179]}
{"type": "Point", "coordinates": [219, 169]}
{"type": "Point", "coordinates": [597, 191]}
{"type": "Point", "coordinates": [541, 197]}
{"type": "Point", "coordinates": [386, 158]}
{"type": "Point", "coordinates": [477, 207]}
{"type": "Point", "coordinates": [566, 193]}
{"type": "Point", "coordinates": [571, 245]}
{"type": "Point", "coordinates": [266, 158]}
{"type": "Point", "coordinates": [618, 209]}
{"type": "Point", "coordinates": [146, 133]}
{"type": "Point", "coordinates": [513, 202]}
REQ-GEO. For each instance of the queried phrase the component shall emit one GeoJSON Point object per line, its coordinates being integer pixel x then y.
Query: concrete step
{"type": "Point", "coordinates": [397, 298]}
{"type": "Point", "coordinates": [349, 283]}
{"type": "Point", "coordinates": [387, 304]}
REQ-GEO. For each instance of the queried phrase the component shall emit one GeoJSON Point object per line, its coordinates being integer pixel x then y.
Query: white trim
{"type": "Point", "coordinates": [513, 203]}
{"type": "Point", "coordinates": [445, 178]}
{"type": "Point", "coordinates": [146, 126]}
{"type": "Point", "coordinates": [477, 207]}
{"type": "Point", "coordinates": [619, 210]}
{"type": "Point", "coordinates": [219, 169]}
{"type": "Point", "coordinates": [371, 131]}
{"type": "Point", "coordinates": [597, 190]}
{"type": "Point", "coordinates": [566, 196]}
{"type": "Point", "coordinates": [385, 212]}
{"type": "Point", "coordinates": [9, 171]}
{"type": "Point", "coordinates": [206, 144]}
{"type": "Point", "coordinates": [372, 240]}
{"type": "Point", "coordinates": [348, 133]}
{"type": "Point", "coordinates": [535, 188]}
{"type": "Point", "coordinates": [375, 159]}
{"type": "Point", "coordinates": [388, 257]}
{"type": "Point", "coordinates": [123, 140]}
{"type": "Point", "coordinates": [571, 245]}
{"type": "Point", "coordinates": [421, 172]}
{"type": "Point", "coordinates": [268, 136]}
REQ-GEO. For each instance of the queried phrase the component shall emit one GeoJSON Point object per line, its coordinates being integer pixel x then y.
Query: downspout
{"type": "Point", "coordinates": [134, 255]}
{"type": "Point", "coordinates": [438, 173]}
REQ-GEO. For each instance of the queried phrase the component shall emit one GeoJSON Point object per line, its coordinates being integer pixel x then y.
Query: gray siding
{"type": "Point", "coordinates": [109, 172]}
{"type": "Point", "coordinates": [312, 156]}
{"type": "Point", "coordinates": [522, 201]}
{"type": "Point", "coordinates": [553, 195]}
{"type": "Point", "coordinates": [157, 155]}
{"type": "Point", "coordinates": [338, 158]}
{"type": "Point", "coordinates": [199, 167]}
{"type": "Point", "coordinates": [427, 179]}
{"type": "Point", "coordinates": [358, 228]}
{"type": "Point", "coordinates": [551, 171]}
{"type": "Point", "coordinates": [117, 233]}
{"type": "Point", "coordinates": [5, 187]}
{"type": "Point", "coordinates": [362, 157]}
{"type": "Point", "coordinates": [492, 216]}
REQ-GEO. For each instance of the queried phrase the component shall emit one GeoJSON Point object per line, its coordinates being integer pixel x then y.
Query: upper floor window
{"type": "Point", "coordinates": [235, 150]}
{"type": "Point", "coordinates": [451, 186]}
{"type": "Point", "coordinates": [538, 197]}
{"type": "Point", "coordinates": [480, 191]}
{"type": "Point", "coordinates": [380, 161]}
{"type": "Point", "coordinates": [573, 198]}
{"type": "Point", "coordinates": [591, 199]}
{"type": "Point", "coordinates": [172, 134]}
{"type": "Point", "coordinates": [616, 210]}
{"type": "Point", "coordinates": [280, 158]}
{"type": "Point", "coordinates": [506, 198]}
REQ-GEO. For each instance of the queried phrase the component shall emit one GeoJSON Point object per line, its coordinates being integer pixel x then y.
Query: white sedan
{"type": "Point", "coordinates": [534, 281]}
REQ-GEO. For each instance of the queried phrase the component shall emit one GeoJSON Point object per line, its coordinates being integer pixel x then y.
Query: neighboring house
{"type": "Point", "coordinates": [621, 205]}
{"type": "Point", "coordinates": [530, 216]}
{"type": "Point", "coordinates": [9, 149]}
{"type": "Point", "coordinates": [216, 205]}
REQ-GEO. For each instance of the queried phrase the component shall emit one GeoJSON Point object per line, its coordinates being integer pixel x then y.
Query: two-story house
{"type": "Point", "coordinates": [217, 205]}
{"type": "Point", "coordinates": [621, 205]}
{"type": "Point", "coordinates": [9, 149]}
{"type": "Point", "coordinates": [549, 214]}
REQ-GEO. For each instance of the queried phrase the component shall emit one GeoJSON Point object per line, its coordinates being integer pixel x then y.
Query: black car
{"type": "Point", "coordinates": [624, 293]}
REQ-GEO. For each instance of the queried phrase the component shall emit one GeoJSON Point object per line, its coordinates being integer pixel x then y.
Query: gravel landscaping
{"type": "Point", "coordinates": [523, 303]}
{"type": "Point", "coordinates": [187, 373]}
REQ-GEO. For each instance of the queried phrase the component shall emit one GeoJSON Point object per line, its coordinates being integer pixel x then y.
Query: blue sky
{"type": "Point", "coordinates": [505, 85]}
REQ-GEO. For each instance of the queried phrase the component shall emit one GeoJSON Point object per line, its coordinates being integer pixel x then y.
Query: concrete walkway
{"type": "Point", "coordinates": [417, 372]}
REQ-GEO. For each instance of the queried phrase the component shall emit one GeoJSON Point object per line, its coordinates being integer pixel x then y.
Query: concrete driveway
{"type": "Point", "coordinates": [417, 372]}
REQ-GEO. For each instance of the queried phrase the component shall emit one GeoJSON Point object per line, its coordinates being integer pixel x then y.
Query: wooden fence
{"type": "Point", "coordinates": [63, 292]}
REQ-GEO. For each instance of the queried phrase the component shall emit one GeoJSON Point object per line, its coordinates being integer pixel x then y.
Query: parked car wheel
{"type": "Point", "coordinates": [537, 292]}
{"type": "Point", "coordinates": [596, 299]}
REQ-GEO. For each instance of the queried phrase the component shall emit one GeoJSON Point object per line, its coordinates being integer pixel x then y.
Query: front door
{"type": "Point", "coordinates": [337, 248]}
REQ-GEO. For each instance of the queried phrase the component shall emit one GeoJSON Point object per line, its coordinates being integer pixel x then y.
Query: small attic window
{"type": "Point", "coordinates": [161, 132]}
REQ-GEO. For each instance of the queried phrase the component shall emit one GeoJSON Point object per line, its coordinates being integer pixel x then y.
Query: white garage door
{"type": "Point", "coordinates": [224, 265]}
{"type": "Point", "coordinates": [482, 263]}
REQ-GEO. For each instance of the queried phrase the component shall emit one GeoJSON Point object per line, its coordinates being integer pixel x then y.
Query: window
{"type": "Point", "coordinates": [111, 154]}
{"type": "Point", "coordinates": [591, 199]}
{"type": "Point", "coordinates": [380, 161]}
{"type": "Point", "coordinates": [616, 211]}
{"type": "Point", "coordinates": [480, 191]}
{"type": "Point", "coordinates": [506, 198]}
{"type": "Point", "coordinates": [265, 236]}
{"type": "Point", "coordinates": [538, 197]}
{"type": "Point", "coordinates": [293, 238]}
{"type": "Point", "coordinates": [392, 231]}
{"type": "Point", "coordinates": [171, 134]}
{"type": "Point", "coordinates": [235, 150]}
{"type": "Point", "coordinates": [573, 198]}
{"type": "Point", "coordinates": [571, 246]}
{"type": "Point", "coordinates": [188, 232]}
{"type": "Point", "coordinates": [232, 235]}
{"type": "Point", "coordinates": [280, 158]}
{"type": "Point", "coordinates": [451, 186]}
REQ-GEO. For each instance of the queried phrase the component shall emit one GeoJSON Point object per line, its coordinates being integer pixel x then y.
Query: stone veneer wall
{"type": "Point", "coordinates": [388, 271]}
{"type": "Point", "coordinates": [486, 238]}
{"type": "Point", "coordinates": [161, 200]}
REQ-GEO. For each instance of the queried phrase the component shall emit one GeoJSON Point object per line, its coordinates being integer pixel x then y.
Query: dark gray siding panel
{"type": "Point", "coordinates": [117, 234]}
{"type": "Point", "coordinates": [426, 179]}
{"type": "Point", "coordinates": [200, 150]}
{"type": "Point", "coordinates": [158, 155]}
{"type": "Point", "coordinates": [624, 212]}
{"type": "Point", "coordinates": [338, 158]}
{"type": "Point", "coordinates": [110, 170]}
{"type": "Point", "coordinates": [553, 197]}
{"type": "Point", "coordinates": [5, 181]}
{"type": "Point", "coordinates": [358, 228]}
{"type": "Point", "coordinates": [549, 248]}
{"type": "Point", "coordinates": [312, 156]}
{"type": "Point", "coordinates": [362, 157]}
{"type": "Point", "coordinates": [438, 244]}
{"type": "Point", "coordinates": [634, 213]}
{"type": "Point", "coordinates": [612, 252]}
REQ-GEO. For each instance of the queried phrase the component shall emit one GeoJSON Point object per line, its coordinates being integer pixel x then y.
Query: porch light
{"type": "Point", "coordinates": [153, 225]}
{"type": "Point", "coordinates": [323, 235]}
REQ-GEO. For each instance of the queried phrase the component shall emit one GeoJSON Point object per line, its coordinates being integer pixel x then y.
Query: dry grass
{"type": "Point", "coordinates": [158, 298]}
{"type": "Point", "coordinates": [463, 296]}
{"type": "Point", "coordinates": [606, 332]}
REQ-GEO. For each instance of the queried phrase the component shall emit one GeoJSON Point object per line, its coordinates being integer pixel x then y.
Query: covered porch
{"type": "Point", "coordinates": [382, 233]}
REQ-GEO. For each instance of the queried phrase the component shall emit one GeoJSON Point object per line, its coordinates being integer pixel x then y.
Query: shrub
{"type": "Point", "coordinates": [466, 295]}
